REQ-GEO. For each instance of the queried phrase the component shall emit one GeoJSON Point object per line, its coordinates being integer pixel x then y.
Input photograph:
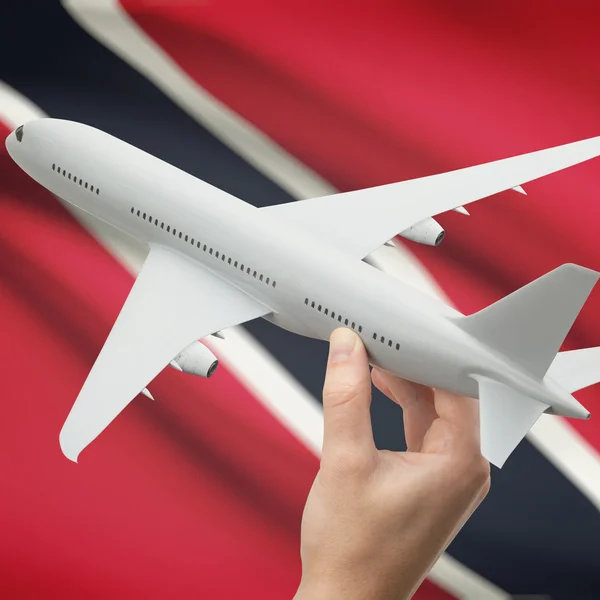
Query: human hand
{"type": "Point", "coordinates": [376, 521]}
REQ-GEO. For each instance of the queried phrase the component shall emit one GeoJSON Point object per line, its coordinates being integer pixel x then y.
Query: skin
{"type": "Point", "coordinates": [376, 521]}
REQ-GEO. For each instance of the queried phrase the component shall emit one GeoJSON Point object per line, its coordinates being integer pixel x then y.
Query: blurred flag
{"type": "Point", "coordinates": [200, 494]}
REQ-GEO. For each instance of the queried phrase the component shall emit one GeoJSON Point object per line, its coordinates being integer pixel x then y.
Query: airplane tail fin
{"type": "Point", "coordinates": [576, 369]}
{"type": "Point", "coordinates": [529, 325]}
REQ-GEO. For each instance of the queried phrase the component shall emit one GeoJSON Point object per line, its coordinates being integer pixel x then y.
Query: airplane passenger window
{"type": "Point", "coordinates": [91, 186]}
{"type": "Point", "coordinates": [186, 238]}
{"type": "Point", "coordinates": [390, 343]}
{"type": "Point", "coordinates": [210, 251]}
{"type": "Point", "coordinates": [374, 336]}
{"type": "Point", "coordinates": [359, 328]}
{"type": "Point", "coordinates": [97, 191]}
{"type": "Point", "coordinates": [382, 339]}
{"type": "Point", "coordinates": [69, 175]}
{"type": "Point", "coordinates": [138, 213]}
{"type": "Point", "coordinates": [319, 308]}
{"type": "Point", "coordinates": [54, 166]}
{"type": "Point", "coordinates": [267, 281]}
{"type": "Point", "coordinates": [86, 184]}
{"type": "Point", "coordinates": [217, 254]}
{"type": "Point", "coordinates": [168, 228]}
{"type": "Point", "coordinates": [248, 271]}
{"type": "Point", "coordinates": [229, 261]}
{"type": "Point", "coordinates": [353, 324]}
{"type": "Point", "coordinates": [339, 318]}
{"type": "Point", "coordinates": [274, 283]}
{"type": "Point", "coordinates": [132, 209]}
{"type": "Point", "coordinates": [80, 181]}
{"type": "Point", "coordinates": [306, 301]}
{"type": "Point", "coordinates": [180, 235]}
{"type": "Point", "coordinates": [326, 311]}
{"type": "Point", "coordinates": [346, 322]}
{"type": "Point", "coordinates": [332, 315]}
{"type": "Point", "coordinates": [397, 346]}
{"type": "Point", "coordinates": [144, 216]}
{"type": "Point", "coordinates": [235, 264]}
{"type": "Point", "coordinates": [254, 275]}
{"type": "Point", "coordinates": [312, 304]}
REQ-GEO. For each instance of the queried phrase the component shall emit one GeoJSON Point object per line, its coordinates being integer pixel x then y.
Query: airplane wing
{"type": "Point", "coordinates": [173, 302]}
{"type": "Point", "coordinates": [358, 222]}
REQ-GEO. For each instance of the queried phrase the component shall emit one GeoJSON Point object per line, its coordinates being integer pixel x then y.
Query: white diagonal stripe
{"type": "Point", "coordinates": [570, 453]}
{"type": "Point", "coordinates": [16, 109]}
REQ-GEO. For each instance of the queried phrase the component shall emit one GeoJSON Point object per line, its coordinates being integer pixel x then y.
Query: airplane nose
{"type": "Point", "coordinates": [13, 143]}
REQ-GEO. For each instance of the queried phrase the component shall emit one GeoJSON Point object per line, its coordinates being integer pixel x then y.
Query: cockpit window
{"type": "Point", "coordinates": [19, 133]}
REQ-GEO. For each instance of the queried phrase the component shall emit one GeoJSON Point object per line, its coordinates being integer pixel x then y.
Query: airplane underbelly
{"type": "Point", "coordinates": [294, 325]}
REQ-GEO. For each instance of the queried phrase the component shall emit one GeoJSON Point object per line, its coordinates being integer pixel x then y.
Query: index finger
{"type": "Point", "coordinates": [457, 427]}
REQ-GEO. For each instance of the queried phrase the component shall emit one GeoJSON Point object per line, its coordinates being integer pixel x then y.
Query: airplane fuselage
{"type": "Point", "coordinates": [310, 286]}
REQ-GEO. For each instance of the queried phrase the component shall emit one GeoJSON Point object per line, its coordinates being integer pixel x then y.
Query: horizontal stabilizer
{"type": "Point", "coordinates": [529, 325]}
{"type": "Point", "coordinates": [505, 417]}
{"type": "Point", "coordinates": [576, 369]}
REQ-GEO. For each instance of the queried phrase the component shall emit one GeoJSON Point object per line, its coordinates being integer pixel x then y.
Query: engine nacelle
{"type": "Point", "coordinates": [196, 359]}
{"type": "Point", "coordinates": [428, 232]}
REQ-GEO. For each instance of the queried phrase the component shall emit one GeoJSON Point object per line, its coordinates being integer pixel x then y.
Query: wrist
{"type": "Point", "coordinates": [354, 587]}
{"type": "Point", "coordinates": [321, 590]}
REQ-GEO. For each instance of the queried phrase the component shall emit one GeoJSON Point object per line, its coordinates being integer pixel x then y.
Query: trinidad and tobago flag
{"type": "Point", "coordinates": [200, 494]}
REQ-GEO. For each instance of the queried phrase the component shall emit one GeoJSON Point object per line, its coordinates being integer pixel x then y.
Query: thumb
{"type": "Point", "coordinates": [347, 396]}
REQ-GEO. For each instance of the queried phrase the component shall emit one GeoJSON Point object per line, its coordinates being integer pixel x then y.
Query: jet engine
{"type": "Point", "coordinates": [196, 359]}
{"type": "Point", "coordinates": [428, 232]}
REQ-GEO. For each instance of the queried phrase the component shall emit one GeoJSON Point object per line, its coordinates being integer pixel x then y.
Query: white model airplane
{"type": "Point", "coordinates": [216, 261]}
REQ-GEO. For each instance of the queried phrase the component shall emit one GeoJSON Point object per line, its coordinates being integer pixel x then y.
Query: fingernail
{"type": "Point", "coordinates": [341, 345]}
